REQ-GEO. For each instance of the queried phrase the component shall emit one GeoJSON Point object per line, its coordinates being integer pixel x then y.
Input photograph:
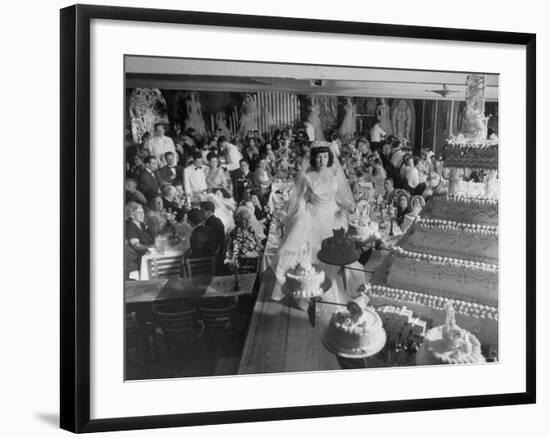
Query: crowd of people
{"type": "Point", "coordinates": [215, 189]}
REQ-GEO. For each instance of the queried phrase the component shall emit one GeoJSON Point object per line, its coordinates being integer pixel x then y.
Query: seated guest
{"type": "Point", "coordinates": [203, 239]}
{"type": "Point", "coordinates": [149, 182]}
{"type": "Point", "coordinates": [268, 149]}
{"type": "Point", "coordinates": [242, 179]}
{"type": "Point", "coordinates": [137, 234]}
{"type": "Point", "coordinates": [379, 177]}
{"type": "Point", "coordinates": [251, 154]}
{"type": "Point", "coordinates": [397, 154]}
{"type": "Point", "coordinates": [244, 244]}
{"type": "Point", "coordinates": [403, 207]}
{"type": "Point", "coordinates": [194, 177]}
{"type": "Point", "coordinates": [172, 173]}
{"type": "Point", "coordinates": [390, 191]}
{"type": "Point", "coordinates": [131, 262]}
{"type": "Point", "coordinates": [262, 176]}
{"type": "Point", "coordinates": [259, 208]}
{"type": "Point", "coordinates": [154, 217]}
{"type": "Point", "coordinates": [170, 202]}
{"type": "Point", "coordinates": [132, 194]}
{"type": "Point", "coordinates": [216, 176]}
{"type": "Point", "coordinates": [257, 225]}
{"type": "Point", "coordinates": [214, 222]}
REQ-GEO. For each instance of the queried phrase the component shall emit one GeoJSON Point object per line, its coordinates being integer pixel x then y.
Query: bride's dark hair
{"type": "Point", "coordinates": [319, 150]}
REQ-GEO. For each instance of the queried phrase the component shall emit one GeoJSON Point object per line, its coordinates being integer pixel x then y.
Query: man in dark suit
{"type": "Point", "coordinates": [169, 202]}
{"type": "Point", "coordinates": [149, 181]}
{"type": "Point", "coordinates": [203, 239]}
{"type": "Point", "coordinates": [214, 222]}
{"type": "Point", "coordinates": [242, 180]}
{"type": "Point", "coordinates": [172, 173]}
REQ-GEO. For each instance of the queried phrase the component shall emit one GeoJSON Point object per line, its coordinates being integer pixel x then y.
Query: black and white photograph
{"type": "Point", "coordinates": [283, 217]}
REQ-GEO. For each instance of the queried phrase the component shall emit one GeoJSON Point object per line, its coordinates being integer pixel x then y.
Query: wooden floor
{"type": "Point", "coordinates": [281, 338]}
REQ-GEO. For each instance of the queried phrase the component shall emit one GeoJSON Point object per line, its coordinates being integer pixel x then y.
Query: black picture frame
{"type": "Point", "coordinates": [75, 216]}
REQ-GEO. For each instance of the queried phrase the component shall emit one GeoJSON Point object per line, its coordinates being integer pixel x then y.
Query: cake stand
{"type": "Point", "coordinates": [342, 263]}
{"type": "Point", "coordinates": [303, 302]}
{"type": "Point", "coordinates": [351, 360]}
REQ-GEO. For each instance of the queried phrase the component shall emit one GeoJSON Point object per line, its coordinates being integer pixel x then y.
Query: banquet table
{"type": "Point", "coordinates": [174, 252]}
{"type": "Point", "coordinates": [179, 288]}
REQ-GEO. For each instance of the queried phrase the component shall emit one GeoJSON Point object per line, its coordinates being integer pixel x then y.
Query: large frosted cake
{"type": "Point", "coordinates": [449, 344]}
{"type": "Point", "coordinates": [453, 239]}
{"type": "Point", "coordinates": [443, 275]}
{"type": "Point", "coordinates": [464, 209]}
{"type": "Point", "coordinates": [474, 155]}
{"type": "Point", "coordinates": [477, 318]}
{"type": "Point", "coordinates": [356, 332]}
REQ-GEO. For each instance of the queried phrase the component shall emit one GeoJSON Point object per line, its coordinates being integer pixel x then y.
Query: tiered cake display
{"type": "Point", "coordinates": [305, 280]}
{"type": "Point", "coordinates": [450, 253]}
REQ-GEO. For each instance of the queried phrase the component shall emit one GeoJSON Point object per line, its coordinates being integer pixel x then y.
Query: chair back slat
{"type": "Point", "coordinates": [164, 267]}
{"type": "Point", "coordinates": [200, 266]}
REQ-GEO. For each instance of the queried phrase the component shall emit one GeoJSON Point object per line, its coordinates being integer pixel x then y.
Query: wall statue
{"type": "Point", "coordinates": [383, 114]}
{"type": "Point", "coordinates": [249, 115]}
{"type": "Point", "coordinates": [475, 122]}
{"type": "Point", "coordinates": [348, 127]}
{"type": "Point", "coordinates": [402, 119]}
{"type": "Point", "coordinates": [313, 118]}
{"type": "Point", "coordinates": [194, 117]}
{"type": "Point", "coordinates": [221, 123]}
{"type": "Point", "coordinates": [146, 106]}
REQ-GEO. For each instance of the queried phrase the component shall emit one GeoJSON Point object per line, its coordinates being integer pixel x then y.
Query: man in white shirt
{"type": "Point", "coordinates": [194, 177]}
{"type": "Point", "coordinates": [159, 144]}
{"type": "Point", "coordinates": [397, 157]}
{"type": "Point", "coordinates": [234, 156]}
{"type": "Point", "coordinates": [377, 134]}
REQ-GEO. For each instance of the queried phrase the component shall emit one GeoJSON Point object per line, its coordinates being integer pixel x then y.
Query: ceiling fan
{"type": "Point", "coordinates": [444, 92]}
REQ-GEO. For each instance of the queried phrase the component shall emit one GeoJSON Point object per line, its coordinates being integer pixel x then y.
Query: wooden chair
{"type": "Point", "coordinates": [249, 265]}
{"type": "Point", "coordinates": [219, 316]}
{"type": "Point", "coordinates": [164, 267]}
{"type": "Point", "coordinates": [199, 266]}
{"type": "Point", "coordinates": [134, 339]}
{"type": "Point", "coordinates": [182, 330]}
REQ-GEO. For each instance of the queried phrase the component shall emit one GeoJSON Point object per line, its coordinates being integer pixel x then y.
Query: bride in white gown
{"type": "Point", "coordinates": [320, 203]}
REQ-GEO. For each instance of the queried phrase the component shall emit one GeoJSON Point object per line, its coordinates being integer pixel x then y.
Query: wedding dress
{"type": "Point", "coordinates": [319, 204]}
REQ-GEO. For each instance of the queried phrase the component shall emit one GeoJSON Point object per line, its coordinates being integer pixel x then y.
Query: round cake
{"type": "Point", "coordinates": [338, 249]}
{"type": "Point", "coordinates": [304, 281]}
{"type": "Point", "coordinates": [355, 333]}
{"type": "Point", "coordinates": [361, 229]}
{"type": "Point", "coordinates": [449, 344]}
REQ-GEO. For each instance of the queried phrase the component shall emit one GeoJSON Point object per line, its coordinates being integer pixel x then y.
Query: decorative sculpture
{"type": "Point", "coordinates": [249, 115]}
{"type": "Point", "coordinates": [221, 123]}
{"type": "Point", "coordinates": [313, 118]}
{"type": "Point", "coordinates": [383, 114]}
{"type": "Point", "coordinates": [402, 119]}
{"type": "Point", "coordinates": [147, 106]}
{"type": "Point", "coordinates": [194, 117]}
{"type": "Point", "coordinates": [348, 127]}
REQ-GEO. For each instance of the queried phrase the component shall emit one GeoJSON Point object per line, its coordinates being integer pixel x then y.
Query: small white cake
{"type": "Point", "coordinates": [304, 281]}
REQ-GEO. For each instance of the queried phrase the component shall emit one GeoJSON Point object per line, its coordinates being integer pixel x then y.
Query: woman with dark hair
{"type": "Point", "coordinates": [262, 175]}
{"type": "Point", "coordinates": [319, 204]}
{"type": "Point", "coordinates": [215, 174]}
{"type": "Point", "coordinates": [154, 216]}
{"type": "Point", "coordinates": [403, 206]}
